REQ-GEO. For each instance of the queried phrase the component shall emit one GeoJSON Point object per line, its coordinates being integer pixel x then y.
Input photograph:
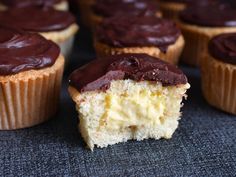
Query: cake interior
{"type": "Point", "coordinates": [129, 110]}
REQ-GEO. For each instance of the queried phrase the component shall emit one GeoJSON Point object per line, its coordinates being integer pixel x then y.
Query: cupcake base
{"type": "Point", "coordinates": [30, 97]}
{"type": "Point", "coordinates": [66, 48]}
{"type": "Point", "coordinates": [63, 6]}
{"type": "Point", "coordinates": [219, 84]}
{"type": "Point", "coordinates": [196, 39]}
{"type": "Point", "coordinates": [116, 115]}
{"type": "Point", "coordinates": [171, 10]}
{"type": "Point", "coordinates": [172, 55]}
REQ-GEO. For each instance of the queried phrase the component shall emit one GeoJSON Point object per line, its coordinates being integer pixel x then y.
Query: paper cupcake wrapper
{"type": "Point", "coordinates": [85, 12]}
{"type": "Point", "coordinates": [172, 55]}
{"type": "Point", "coordinates": [66, 48]}
{"type": "Point", "coordinates": [171, 10]}
{"type": "Point", "coordinates": [219, 84]}
{"type": "Point", "coordinates": [196, 44]}
{"type": "Point", "coordinates": [28, 101]}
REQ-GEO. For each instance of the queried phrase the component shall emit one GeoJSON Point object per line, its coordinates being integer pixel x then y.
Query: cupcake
{"type": "Point", "coordinates": [102, 9]}
{"type": "Point", "coordinates": [157, 37]}
{"type": "Point", "coordinates": [58, 26]}
{"type": "Point", "coordinates": [31, 69]}
{"type": "Point", "coordinates": [219, 72]}
{"type": "Point", "coordinates": [128, 96]}
{"type": "Point", "coordinates": [199, 24]}
{"type": "Point", "coordinates": [57, 4]}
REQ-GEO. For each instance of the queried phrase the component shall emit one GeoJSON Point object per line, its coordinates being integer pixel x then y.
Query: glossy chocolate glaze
{"type": "Point", "coordinates": [138, 32]}
{"type": "Point", "coordinates": [21, 51]}
{"type": "Point", "coordinates": [195, 2]}
{"type": "Point", "coordinates": [223, 47]}
{"type": "Point", "coordinates": [25, 3]}
{"type": "Point", "coordinates": [109, 8]}
{"type": "Point", "coordinates": [177, 1]}
{"type": "Point", "coordinates": [98, 74]}
{"type": "Point", "coordinates": [36, 19]}
{"type": "Point", "coordinates": [214, 15]}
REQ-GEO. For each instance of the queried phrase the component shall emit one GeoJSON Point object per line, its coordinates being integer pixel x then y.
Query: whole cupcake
{"type": "Point", "coordinates": [157, 37]}
{"type": "Point", "coordinates": [31, 69]}
{"type": "Point", "coordinates": [102, 9]}
{"type": "Point", "coordinates": [58, 26]}
{"type": "Point", "coordinates": [200, 23]}
{"type": "Point", "coordinates": [57, 4]}
{"type": "Point", "coordinates": [219, 72]}
{"type": "Point", "coordinates": [128, 96]}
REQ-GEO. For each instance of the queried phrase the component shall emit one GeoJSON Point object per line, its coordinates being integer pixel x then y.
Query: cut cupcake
{"type": "Point", "coordinates": [58, 26]}
{"type": "Point", "coordinates": [128, 96]}
{"type": "Point", "coordinates": [57, 4]}
{"type": "Point", "coordinates": [218, 69]}
{"type": "Point", "coordinates": [154, 36]}
{"type": "Point", "coordinates": [102, 9]}
{"type": "Point", "coordinates": [31, 69]}
{"type": "Point", "coordinates": [200, 23]}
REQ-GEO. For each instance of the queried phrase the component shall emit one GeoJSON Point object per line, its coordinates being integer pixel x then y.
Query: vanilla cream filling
{"type": "Point", "coordinates": [139, 108]}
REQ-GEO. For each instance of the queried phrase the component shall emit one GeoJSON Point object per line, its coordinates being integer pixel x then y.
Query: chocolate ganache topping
{"type": "Point", "coordinates": [109, 8]}
{"type": "Point", "coordinates": [138, 32]}
{"type": "Point", "coordinates": [24, 3]}
{"type": "Point", "coordinates": [36, 19]}
{"type": "Point", "coordinates": [21, 51]}
{"type": "Point", "coordinates": [214, 15]}
{"type": "Point", "coordinates": [223, 47]}
{"type": "Point", "coordinates": [98, 74]}
{"type": "Point", "coordinates": [177, 1]}
{"type": "Point", "coordinates": [191, 1]}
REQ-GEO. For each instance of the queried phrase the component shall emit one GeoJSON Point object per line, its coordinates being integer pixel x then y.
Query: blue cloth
{"type": "Point", "coordinates": [203, 145]}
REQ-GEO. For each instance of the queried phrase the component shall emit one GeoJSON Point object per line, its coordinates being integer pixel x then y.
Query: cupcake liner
{"type": "Point", "coordinates": [197, 39]}
{"type": "Point", "coordinates": [172, 55]}
{"type": "Point", "coordinates": [66, 48]}
{"type": "Point", "coordinates": [86, 11]}
{"type": "Point", "coordinates": [219, 84]}
{"type": "Point", "coordinates": [31, 97]}
{"type": "Point", "coordinates": [171, 10]}
{"type": "Point", "coordinates": [95, 20]}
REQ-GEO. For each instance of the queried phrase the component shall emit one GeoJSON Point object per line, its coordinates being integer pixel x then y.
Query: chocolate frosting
{"type": "Point", "coordinates": [21, 51]}
{"type": "Point", "coordinates": [109, 8]}
{"type": "Point", "coordinates": [195, 2]}
{"type": "Point", "coordinates": [98, 74]}
{"type": "Point", "coordinates": [36, 19]}
{"type": "Point", "coordinates": [24, 3]}
{"type": "Point", "coordinates": [215, 15]}
{"type": "Point", "coordinates": [178, 1]}
{"type": "Point", "coordinates": [138, 32]}
{"type": "Point", "coordinates": [223, 47]}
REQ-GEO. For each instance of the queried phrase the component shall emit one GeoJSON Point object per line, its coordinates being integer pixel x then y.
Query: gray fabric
{"type": "Point", "coordinates": [203, 145]}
